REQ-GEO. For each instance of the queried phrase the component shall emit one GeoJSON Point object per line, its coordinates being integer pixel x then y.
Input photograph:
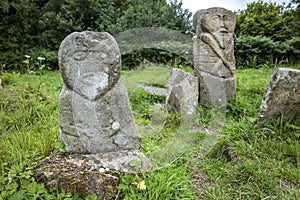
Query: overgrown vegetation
{"type": "Point", "coordinates": [266, 164]}
{"type": "Point", "coordinates": [267, 158]}
{"type": "Point", "coordinates": [30, 27]}
{"type": "Point", "coordinates": [36, 28]}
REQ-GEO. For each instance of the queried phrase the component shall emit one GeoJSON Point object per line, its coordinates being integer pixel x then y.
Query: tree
{"type": "Point", "coordinates": [267, 19]}
{"type": "Point", "coordinates": [35, 25]}
{"type": "Point", "coordinates": [296, 22]}
{"type": "Point", "coordinates": [19, 24]}
{"type": "Point", "coordinates": [158, 13]}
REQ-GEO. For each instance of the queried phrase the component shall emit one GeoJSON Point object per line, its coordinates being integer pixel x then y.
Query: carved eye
{"type": "Point", "coordinates": [79, 56]}
{"type": "Point", "coordinates": [226, 17]}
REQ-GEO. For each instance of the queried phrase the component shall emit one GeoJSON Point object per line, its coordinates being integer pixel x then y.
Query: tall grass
{"type": "Point", "coordinates": [267, 164]}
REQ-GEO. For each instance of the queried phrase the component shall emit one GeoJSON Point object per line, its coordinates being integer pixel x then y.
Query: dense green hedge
{"type": "Point", "coordinates": [252, 52]}
{"type": "Point", "coordinates": [36, 28]}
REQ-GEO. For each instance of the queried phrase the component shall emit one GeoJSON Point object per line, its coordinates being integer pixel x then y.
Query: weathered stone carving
{"type": "Point", "coordinates": [183, 92]}
{"type": "Point", "coordinates": [282, 95]}
{"type": "Point", "coordinates": [213, 52]}
{"type": "Point", "coordinates": [94, 110]}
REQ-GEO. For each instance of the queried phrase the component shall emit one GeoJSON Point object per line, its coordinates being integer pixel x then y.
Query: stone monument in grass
{"type": "Point", "coordinates": [95, 120]}
{"type": "Point", "coordinates": [94, 110]}
{"type": "Point", "coordinates": [183, 93]}
{"type": "Point", "coordinates": [213, 53]}
{"type": "Point", "coordinates": [282, 96]}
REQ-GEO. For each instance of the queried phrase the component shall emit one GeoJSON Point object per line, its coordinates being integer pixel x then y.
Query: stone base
{"type": "Point", "coordinates": [214, 89]}
{"type": "Point", "coordinates": [87, 174]}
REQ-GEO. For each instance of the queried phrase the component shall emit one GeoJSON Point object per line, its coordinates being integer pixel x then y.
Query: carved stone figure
{"type": "Point", "coordinates": [94, 110]}
{"type": "Point", "coordinates": [213, 52]}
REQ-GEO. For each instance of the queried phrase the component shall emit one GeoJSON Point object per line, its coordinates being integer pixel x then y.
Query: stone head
{"type": "Point", "coordinates": [214, 20]}
{"type": "Point", "coordinates": [90, 63]}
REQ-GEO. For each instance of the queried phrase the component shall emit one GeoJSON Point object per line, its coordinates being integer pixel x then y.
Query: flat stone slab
{"type": "Point", "coordinates": [86, 174]}
{"type": "Point", "coordinates": [155, 90]}
{"type": "Point", "coordinates": [282, 95]}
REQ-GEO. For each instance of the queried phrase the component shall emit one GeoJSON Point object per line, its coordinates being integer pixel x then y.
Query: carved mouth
{"type": "Point", "coordinates": [88, 78]}
{"type": "Point", "coordinates": [223, 31]}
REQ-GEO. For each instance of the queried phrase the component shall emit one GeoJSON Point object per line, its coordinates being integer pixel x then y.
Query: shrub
{"type": "Point", "coordinates": [255, 52]}
{"type": "Point", "coordinates": [16, 60]}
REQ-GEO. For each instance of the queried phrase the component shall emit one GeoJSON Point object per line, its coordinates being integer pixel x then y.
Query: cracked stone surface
{"type": "Point", "coordinates": [94, 109]}
{"type": "Point", "coordinates": [282, 96]}
{"type": "Point", "coordinates": [183, 92]}
{"type": "Point", "coordinates": [87, 174]}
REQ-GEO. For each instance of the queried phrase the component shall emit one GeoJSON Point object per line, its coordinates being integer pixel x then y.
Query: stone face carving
{"type": "Point", "coordinates": [94, 110]}
{"type": "Point", "coordinates": [183, 92]}
{"type": "Point", "coordinates": [282, 95]}
{"type": "Point", "coordinates": [213, 52]}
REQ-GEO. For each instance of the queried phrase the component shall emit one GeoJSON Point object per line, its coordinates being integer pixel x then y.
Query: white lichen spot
{"type": "Point", "coordinates": [101, 170]}
{"type": "Point", "coordinates": [101, 80]}
{"type": "Point", "coordinates": [115, 126]}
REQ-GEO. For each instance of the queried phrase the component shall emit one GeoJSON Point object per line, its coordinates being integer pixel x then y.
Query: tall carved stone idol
{"type": "Point", "coordinates": [213, 52]}
{"type": "Point", "coordinates": [94, 110]}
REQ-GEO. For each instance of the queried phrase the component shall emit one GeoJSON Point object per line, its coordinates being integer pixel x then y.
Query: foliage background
{"type": "Point", "coordinates": [266, 32]}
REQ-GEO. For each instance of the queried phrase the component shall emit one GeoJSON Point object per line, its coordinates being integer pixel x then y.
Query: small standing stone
{"type": "Point", "coordinates": [183, 92]}
{"type": "Point", "coordinates": [282, 95]}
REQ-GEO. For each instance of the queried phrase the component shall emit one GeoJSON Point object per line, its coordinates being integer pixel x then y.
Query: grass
{"type": "Point", "coordinates": [152, 76]}
{"type": "Point", "coordinates": [267, 164]}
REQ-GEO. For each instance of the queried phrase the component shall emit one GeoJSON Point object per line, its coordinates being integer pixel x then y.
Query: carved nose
{"type": "Point", "coordinates": [221, 23]}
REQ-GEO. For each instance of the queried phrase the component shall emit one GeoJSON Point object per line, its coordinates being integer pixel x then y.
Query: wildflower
{"type": "Point", "coordinates": [27, 56]}
{"type": "Point", "coordinates": [40, 58]}
{"type": "Point", "coordinates": [141, 185]}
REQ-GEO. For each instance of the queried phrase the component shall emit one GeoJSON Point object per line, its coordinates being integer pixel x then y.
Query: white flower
{"type": "Point", "coordinates": [40, 58]}
{"type": "Point", "coordinates": [27, 56]}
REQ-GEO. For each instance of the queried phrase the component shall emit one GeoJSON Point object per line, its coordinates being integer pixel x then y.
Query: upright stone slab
{"type": "Point", "coordinates": [94, 110]}
{"type": "Point", "coordinates": [213, 53]}
{"type": "Point", "coordinates": [282, 95]}
{"type": "Point", "coordinates": [183, 92]}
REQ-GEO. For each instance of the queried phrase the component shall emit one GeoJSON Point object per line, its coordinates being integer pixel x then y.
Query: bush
{"type": "Point", "coordinates": [255, 52]}
{"type": "Point", "coordinates": [19, 61]}
{"type": "Point", "coordinates": [134, 59]}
